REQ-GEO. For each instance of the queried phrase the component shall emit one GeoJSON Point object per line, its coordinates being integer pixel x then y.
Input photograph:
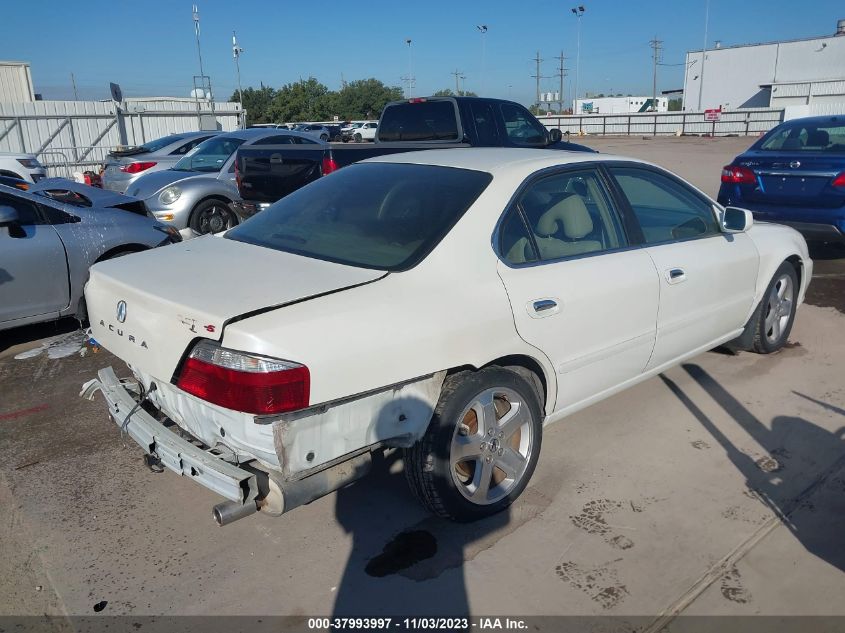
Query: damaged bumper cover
{"type": "Point", "coordinates": [173, 451]}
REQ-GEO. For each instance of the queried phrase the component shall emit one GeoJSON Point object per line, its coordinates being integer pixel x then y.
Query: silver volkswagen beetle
{"type": "Point", "coordinates": [196, 194]}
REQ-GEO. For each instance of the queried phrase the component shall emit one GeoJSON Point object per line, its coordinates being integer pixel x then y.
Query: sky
{"type": "Point", "coordinates": [149, 47]}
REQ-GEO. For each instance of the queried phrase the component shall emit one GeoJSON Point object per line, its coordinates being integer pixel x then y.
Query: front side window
{"type": "Point", "coordinates": [486, 129]}
{"type": "Point", "coordinates": [804, 137]}
{"type": "Point", "coordinates": [521, 127]}
{"type": "Point", "coordinates": [210, 155]}
{"type": "Point", "coordinates": [385, 216]}
{"type": "Point", "coordinates": [666, 209]}
{"type": "Point", "coordinates": [568, 214]}
{"type": "Point", "coordinates": [27, 212]}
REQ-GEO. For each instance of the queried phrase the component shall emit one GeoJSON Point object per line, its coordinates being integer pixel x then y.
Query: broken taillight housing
{"type": "Point", "coordinates": [244, 382]}
{"type": "Point", "coordinates": [136, 168]}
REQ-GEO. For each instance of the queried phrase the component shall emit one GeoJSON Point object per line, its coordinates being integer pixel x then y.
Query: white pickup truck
{"type": "Point", "coordinates": [23, 166]}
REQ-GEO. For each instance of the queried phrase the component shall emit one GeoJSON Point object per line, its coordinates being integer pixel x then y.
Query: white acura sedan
{"type": "Point", "coordinates": [448, 302]}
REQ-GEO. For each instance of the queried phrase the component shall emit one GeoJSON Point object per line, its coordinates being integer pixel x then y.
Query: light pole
{"type": "Point", "coordinates": [410, 69]}
{"type": "Point", "coordinates": [578, 12]}
{"type": "Point", "coordinates": [236, 53]}
{"type": "Point", "coordinates": [703, 51]}
{"type": "Point", "coordinates": [482, 28]}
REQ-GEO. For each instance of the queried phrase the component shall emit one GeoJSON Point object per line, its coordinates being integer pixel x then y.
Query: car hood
{"type": "Point", "coordinates": [153, 182]}
{"type": "Point", "coordinates": [98, 198]}
{"type": "Point", "coordinates": [175, 295]}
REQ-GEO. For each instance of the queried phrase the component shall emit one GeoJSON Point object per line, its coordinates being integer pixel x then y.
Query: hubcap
{"type": "Point", "coordinates": [491, 446]}
{"type": "Point", "coordinates": [213, 220]}
{"type": "Point", "coordinates": [779, 309]}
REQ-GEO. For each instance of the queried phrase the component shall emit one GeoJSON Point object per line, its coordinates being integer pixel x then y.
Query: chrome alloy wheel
{"type": "Point", "coordinates": [779, 307]}
{"type": "Point", "coordinates": [492, 446]}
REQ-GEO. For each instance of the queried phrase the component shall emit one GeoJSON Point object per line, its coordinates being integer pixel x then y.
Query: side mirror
{"type": "Point", "coordinates": [736, 220]}
{"type": "Point", "coordinates": [8, 216]}
{"type": "Point", "coordinates": [555, 135]}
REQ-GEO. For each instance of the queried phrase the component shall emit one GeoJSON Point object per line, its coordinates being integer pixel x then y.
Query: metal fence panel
{"type": "Point", "coordinates": [735, 122]}
{"type": "Point", "coordinates": [71, 136]}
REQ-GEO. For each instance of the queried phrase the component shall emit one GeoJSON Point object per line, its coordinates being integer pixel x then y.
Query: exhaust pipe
{"type": "Point", "coordinates": [229, 511]}
{"type": "Point", "coordinates": [281, 496]}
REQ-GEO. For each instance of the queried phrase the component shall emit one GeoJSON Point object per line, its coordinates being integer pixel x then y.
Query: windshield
{"type": "Point", "coordinates": [210, 155]}
{"type": "Point", "coordinates": [806, 137]}
{"type": "Point", "coordinates": [379, 215]}
{"type": "Point", "coordinates": [154, 146]}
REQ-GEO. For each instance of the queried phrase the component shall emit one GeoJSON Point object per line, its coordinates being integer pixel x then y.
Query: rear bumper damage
{"type": "Point", "coordinates": [319, 450]}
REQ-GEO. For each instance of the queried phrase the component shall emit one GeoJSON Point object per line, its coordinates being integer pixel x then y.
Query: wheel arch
{"type": "Point", "coordinates": [212, 196]}
{"type": "Point", "coordinates": [531, 369]}
{"type": "Point", "coordinates": [123, 248]}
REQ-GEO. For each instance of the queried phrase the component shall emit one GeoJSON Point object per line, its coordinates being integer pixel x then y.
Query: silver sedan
{"type": "Point", "coordinates": [195, 196]}
{"type": "Point", "coordinates": [123, 167]}
{"type": "Point", "coordinates": [52, 234]}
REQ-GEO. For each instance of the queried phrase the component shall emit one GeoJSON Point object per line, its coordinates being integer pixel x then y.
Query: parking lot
{"type": "Point", "coordinates": [716, 488]}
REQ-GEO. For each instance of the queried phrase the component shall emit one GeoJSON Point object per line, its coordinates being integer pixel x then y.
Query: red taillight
{"type": "Point", "coordinates": [417, 100]}
{"type": "Point", "coordinates": [329, 164]}
{"type": "Point", "coordinates": [237, 173]}
{"type": "Point", "coordinates": [839, 181]}
{"type": "Point", "coordinates": [734, 174]}
{"type": "Point", "coordinates": [244, 382]}
{"type": "Point", "coordinates": [134, 168]}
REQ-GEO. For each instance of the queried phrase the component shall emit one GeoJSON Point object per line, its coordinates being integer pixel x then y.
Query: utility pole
{"type": "Point", "coordinates": [561, 73]}
{"type": "Point", "coordinates": [73, 81]}
{"type": "Point", "coordinates": [703, 51]}
{"type": "Point", "coordinates": [657, 47]}
{"type": "Point", "coordinates": [578, 12]}
{"type": "Point", "coordinates": [537, 76]}
{"type": "Point", "coordinates": [236, 54]}
{"type": "Point", "coordinates": [458, 76]}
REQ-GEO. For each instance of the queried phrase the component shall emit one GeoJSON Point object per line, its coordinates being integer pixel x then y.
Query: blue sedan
{"type": "Point", "coordinates": [794, 175]}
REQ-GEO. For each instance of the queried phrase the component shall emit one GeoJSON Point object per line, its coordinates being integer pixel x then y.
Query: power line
{"type": "Point", "coordinates": [538, 77]}
{"type": "Point", "coordinates": [458, 76]}
{"type": "Point", "coordinates": [561, 73]}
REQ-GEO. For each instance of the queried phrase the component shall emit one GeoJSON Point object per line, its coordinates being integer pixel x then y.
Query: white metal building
{"type": "Point", "coordinates": [16, 83]}
{"type": "Point", "coordinates": [619, 105]}
{"type": "Point", "coordinates": [803, 76]}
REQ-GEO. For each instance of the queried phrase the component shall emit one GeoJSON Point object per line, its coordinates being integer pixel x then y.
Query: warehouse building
{"type": "Point", "coordinates": [16, 83]}
{"type": "Point", "coordinates": [804, 76]}
{"type": "Point", "coordinates": [619, 105]}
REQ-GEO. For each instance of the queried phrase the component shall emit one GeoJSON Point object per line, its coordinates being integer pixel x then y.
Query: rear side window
{"type": "Point", "coordinates": [27, 212]}
{"type": "Point", "coordinates": [187, 147]}
{"type": "Point", "coordinates": [666, 209]}
{"type": "Point", "coordinates": [424, 121]}
{"type": "Point", "coordinates": [159, 143]}
{"type": "Point", "coordinates": [484, 117]}
{"type": "Point", "coordinates": [385, 216]}
{"type": "Point", "coordinates": [284, 139]}
{"type": "Point", "coordinates": [806, 137]}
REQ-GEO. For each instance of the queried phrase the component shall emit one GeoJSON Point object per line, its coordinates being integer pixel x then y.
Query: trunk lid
{"type": "Point", "coordinates": [796, 178]}
{"type": "Point", "coordinates": [169, 297]}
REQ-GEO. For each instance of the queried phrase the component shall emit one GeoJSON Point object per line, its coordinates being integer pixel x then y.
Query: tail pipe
{"type": "Point", "coordinates": [280, 496]}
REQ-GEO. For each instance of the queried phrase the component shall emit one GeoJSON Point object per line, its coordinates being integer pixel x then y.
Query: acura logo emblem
{"type": "Point", "coordinates": [795, 164]}
{"type": "Point", "coordinates": [121, 311]}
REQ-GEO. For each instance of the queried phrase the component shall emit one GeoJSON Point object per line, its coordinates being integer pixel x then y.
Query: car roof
{"type": "Point", "coordinates": [493, 159]}
{"type": "Point", "coordinates": [816, 119]}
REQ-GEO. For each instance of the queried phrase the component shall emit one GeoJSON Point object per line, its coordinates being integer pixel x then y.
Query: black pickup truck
{"type": "Point", "coordinates": [266, 173]}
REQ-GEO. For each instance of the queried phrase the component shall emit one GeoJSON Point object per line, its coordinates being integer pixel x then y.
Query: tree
{"type": "Point", "coordinates": [304, 100]}
{"type": "Point", "coordinates": [446, 92]}
{"type": "Point", "coordinates": [256, 102]}
{"type": "Point", "coordinates": [363, 99]}
{"type": "Point", "coordinates": [675, 104]}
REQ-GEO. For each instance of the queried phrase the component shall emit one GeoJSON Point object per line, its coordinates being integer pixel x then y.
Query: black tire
{"type": "Point", "coordinates": [325, 138]}
{"type": "Point", "coordinates": [762, 334]}
{"type": "Point", "coordinates": [433, 478]}
{"type": "Point", "coordinates": [358, 138]}
{"type": "Point", "coordinates": [212, 216]}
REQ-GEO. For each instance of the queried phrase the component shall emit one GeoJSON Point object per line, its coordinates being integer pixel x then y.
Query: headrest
{"type": "Point", "coordinates": [818, 138]}
{"type": "Point", "coordinates": [571, 215]}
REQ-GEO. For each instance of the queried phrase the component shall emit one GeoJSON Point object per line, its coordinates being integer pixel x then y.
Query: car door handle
{"type": "Point", "coordinates": [676, 275]}
{"type": "Point", "coordinates": [542, 308]}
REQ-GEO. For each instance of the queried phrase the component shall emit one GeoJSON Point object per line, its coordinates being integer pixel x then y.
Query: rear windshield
{"type": "Point", "coordinates": [806, 137]}
{"type": "Point", "coordinates": [424, 121]}
{"type": "Point", "coordinates": [154, 146]}
{"type": "Point", "coordinates": [386, 216]}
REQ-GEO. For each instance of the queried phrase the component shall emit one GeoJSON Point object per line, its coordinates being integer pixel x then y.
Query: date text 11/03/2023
{"type": "Point", "coordinates": [417, 624]}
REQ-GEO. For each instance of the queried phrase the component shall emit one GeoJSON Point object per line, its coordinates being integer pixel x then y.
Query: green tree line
{"type": "Point", "coordinates": [310, 100]}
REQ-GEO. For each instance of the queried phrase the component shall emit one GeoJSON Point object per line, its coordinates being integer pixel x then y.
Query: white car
{"type": "Point", "coordinates": [23, 166]}
{"type": "Point", "coordinates": [365, 132]}
{"type": "Point", "coordinates": [453, 321]}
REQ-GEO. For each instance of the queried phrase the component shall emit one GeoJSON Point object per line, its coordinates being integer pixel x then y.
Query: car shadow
{"type": "Point", "coordinates": [802, 456]}
{"type": "Point", "coordinates": [35, 332]}
{"type": "Point", "coordinates": [403, 560]}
